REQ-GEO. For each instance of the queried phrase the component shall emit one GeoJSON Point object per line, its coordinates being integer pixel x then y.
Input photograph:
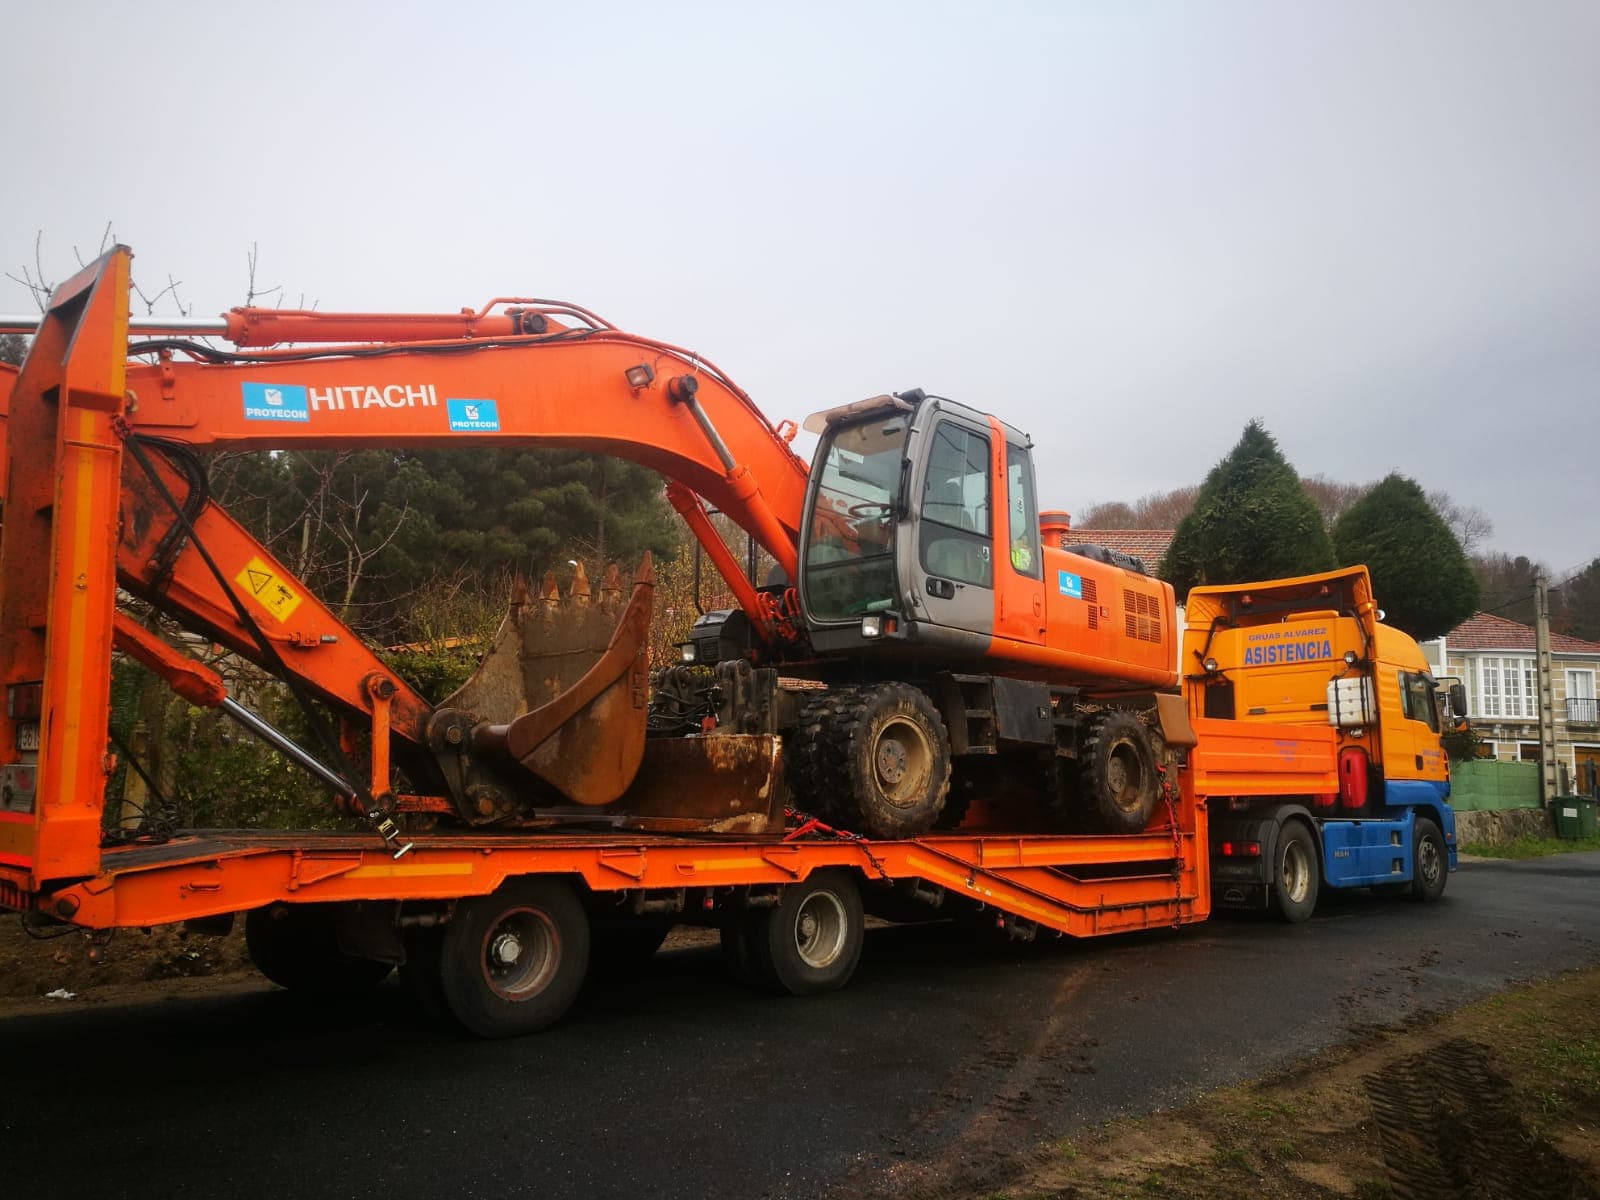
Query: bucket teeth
{"type": "Point", "coordinates": [563, 689]}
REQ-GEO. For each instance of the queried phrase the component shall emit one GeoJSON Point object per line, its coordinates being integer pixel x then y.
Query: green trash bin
{"type": "Point", "coordinates": [1576, 817]}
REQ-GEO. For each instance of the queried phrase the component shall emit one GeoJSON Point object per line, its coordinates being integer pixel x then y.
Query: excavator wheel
{"type": "Point", "coordinates": [875, 759]}
{"type": "Point", "coordinates": [1117, 783]}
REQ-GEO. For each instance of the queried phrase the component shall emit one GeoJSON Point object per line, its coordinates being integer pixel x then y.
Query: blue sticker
{"type": "Point", "coordinates": [274, 402]}
{"type": "Point", "coordinates": [1069, 584]}
{"type": "Point", "coordinates": [472, 416]}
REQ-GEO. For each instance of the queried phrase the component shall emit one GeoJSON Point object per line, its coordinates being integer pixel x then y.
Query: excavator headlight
{"type": "Point", "coordinates": [686, 652]}
{"type": "Point", "coordinates": [872, 626]}
{"type": "Point", "coordinates": [639, 376]}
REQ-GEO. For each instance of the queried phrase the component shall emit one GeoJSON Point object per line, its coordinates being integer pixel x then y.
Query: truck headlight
{"type": "Point", "coordinates": [872, 626]}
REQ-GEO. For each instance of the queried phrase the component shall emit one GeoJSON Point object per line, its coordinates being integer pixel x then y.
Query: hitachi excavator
{"type": "Point", "coordinates": [924, 645]}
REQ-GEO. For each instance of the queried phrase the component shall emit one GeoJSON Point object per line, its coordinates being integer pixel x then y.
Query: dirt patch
{"type": "Point", "coordinates": [91, 965]}
{"type": "Point", "coordinates": [1499, 1099]}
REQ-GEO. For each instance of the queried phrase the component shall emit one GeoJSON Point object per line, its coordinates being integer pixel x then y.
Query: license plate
{"type": "Point", "coordinates": [28, 735]}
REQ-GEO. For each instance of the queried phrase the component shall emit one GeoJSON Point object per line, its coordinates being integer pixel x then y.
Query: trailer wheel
{"type": "Point", "coordinates": [814, 934]}
{"type": "Point", "coordinates": [1118, 773]}
{"type": "Point", "coordinates": [1296, 876]}
{"type": "Point", "coordinates": [1430, 863]}
{"type": "Point", "coordinates": [512, 962]}
{"type": "Point", "coordinates": [295, 946]}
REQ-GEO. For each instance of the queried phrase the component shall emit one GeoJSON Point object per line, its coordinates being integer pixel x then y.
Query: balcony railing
{"type": "Point", "coordinates": [1583, 711]}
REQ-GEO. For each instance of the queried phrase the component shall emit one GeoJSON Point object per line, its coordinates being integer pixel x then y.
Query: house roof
{"type": "Point", "coordinates": [1485, 631]}
{"type": "Point", "coordinates": [1148, 545]}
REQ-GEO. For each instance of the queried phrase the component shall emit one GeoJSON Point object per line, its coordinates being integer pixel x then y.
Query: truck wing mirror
{"type": "Point", "coordinates": [1458, 700]}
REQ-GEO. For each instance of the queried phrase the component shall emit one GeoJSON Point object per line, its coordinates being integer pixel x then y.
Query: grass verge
{"type": "Point", "coordinates": [1528, 846]}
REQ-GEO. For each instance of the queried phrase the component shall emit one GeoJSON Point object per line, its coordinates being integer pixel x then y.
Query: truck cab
{"type": "Point", "coordinates": [1341, 719]}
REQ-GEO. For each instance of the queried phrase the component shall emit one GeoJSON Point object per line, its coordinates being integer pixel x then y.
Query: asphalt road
{"type": "Point", "coordinates": [682, 1084]}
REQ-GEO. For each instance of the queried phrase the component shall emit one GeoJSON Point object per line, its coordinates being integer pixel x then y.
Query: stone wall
{"type": "Point", "coordinates": [1498, 827]}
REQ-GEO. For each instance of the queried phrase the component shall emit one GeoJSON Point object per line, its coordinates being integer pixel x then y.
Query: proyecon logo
{"type": "Point", "coordinates": [274, 402]}
{"type": "Point", "coordinates": [472, 416]}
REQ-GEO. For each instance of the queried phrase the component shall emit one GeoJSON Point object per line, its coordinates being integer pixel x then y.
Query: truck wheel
{"type": "Point", "coordinates": [295, 946]}
{"type": "Point", "coordinates": [814, 934]}
{"type": "Point", "coordinates": [1118, 773]}
{"type": "Point", "coordinates": [1430, 863]}
{"type": "Point", "coordinates": [896, 760]}
{"type": "Point", "coordinates": [512, 962]}
{"type": "Point", "coordinates": [1295, 874]}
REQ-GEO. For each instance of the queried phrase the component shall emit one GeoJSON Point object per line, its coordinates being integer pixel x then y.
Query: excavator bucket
{"type": "Point", "coordinates": [564, 687]}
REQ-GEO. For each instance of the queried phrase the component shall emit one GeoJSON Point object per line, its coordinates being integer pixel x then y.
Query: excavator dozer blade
{"type": "Point", "coordinates": [564, 687]}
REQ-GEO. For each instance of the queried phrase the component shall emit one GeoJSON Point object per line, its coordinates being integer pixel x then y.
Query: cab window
{"type": "Point", "coordinates": [1022, 513]}
{"type": "Point", "coordinates": [956, 526]}
{"type": "Point", "coordinates": [1417, 699]}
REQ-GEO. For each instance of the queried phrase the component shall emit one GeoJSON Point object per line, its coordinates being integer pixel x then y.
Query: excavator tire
{"type": "Point", "coordinates": [1117, 773]}
{"type": "Point", "coordinates": [875, 759]}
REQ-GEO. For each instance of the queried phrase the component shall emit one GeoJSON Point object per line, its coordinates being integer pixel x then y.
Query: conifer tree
{"type": "Point", "coordinates": [1251, 520]}
{"type": "Point", "coordinates": [1420, 574]}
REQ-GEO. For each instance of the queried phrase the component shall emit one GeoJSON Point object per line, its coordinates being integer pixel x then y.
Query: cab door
{"type": "Point", "coordinates": [951, 530]}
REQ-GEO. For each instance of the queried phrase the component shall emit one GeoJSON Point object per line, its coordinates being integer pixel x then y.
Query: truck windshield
{"type": "Point", "coordinates": [849, 546]}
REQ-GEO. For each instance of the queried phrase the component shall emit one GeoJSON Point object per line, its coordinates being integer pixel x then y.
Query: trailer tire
{"type": "Point", "coordinates": [295, 946]}
{"type": "Point", "coordinates": [1296, 876]}
{"type": "Point", "coordinates": [1117, 773]}
{"type": "Point", "coordinates": [1430, 862]}
{"type": "Point", "coordinates": [513, 962]}
{"type": "Point", "coordinates": [814, 934]}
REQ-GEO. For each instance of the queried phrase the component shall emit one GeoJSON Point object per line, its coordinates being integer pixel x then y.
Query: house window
{"type": "Point", "coordinates": [1506, 687]}
{"type": "Point", "coordinates": [1581, 705]}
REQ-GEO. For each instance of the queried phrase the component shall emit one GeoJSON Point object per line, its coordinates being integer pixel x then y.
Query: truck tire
{"type": "Point", "coordinates": [1117, 773]}
{"type": "Point", "coordinates": [1430, 862]}
{"type": "Point", "coordinates": [1296, 875]}
{"type": "Point", "coordinates": [513, 962]}
{"type": "Point", "coordinates": [295, 946]}
{"type": "Point", "coordinates": [875, 759]}
{"type": "Point", "coordinates": [814, 934]}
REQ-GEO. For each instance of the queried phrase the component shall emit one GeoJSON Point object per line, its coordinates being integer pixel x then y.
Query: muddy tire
{"type": "Point", "coordinates": [1117, 783]}
{"type": "Point", "coordinates": [814, 934]}
{"type": "Point", "coordinates": [1296, 875]}
{"type": "Point", "coordinates": [295, 946]}
{"type": "Point", "coordinates": [1430, 861]}
{"type": "Point", "coordinates": [874, 759]}
{"type": "Point", "coordinates": [513, 962]}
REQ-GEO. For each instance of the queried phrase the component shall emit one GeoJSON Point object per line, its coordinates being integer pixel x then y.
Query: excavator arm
{"type": "Point", "coordinates": [103, 458]}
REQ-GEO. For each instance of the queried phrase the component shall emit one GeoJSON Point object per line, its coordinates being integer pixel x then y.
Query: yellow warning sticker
{"type": "Point", "coordinates": [269, 589]}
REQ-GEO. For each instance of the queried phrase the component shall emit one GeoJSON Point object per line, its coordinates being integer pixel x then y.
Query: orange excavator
{"type": "Point", "coordinates": [924, 644]}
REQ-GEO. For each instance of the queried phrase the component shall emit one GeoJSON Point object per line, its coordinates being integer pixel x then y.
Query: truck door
{"type": "Point", "coordinates": [953, 527]}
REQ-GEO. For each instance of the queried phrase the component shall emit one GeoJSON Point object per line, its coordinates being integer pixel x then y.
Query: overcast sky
{"type": "Point", "coordinates": [1126, 228]}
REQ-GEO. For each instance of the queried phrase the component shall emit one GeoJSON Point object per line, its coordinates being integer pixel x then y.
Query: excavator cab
{"type": "Point", "coordinates": [919, 512]}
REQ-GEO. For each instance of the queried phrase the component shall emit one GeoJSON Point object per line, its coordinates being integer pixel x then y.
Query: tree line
{"type": "Point", "coordinates": [1255, 517]}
